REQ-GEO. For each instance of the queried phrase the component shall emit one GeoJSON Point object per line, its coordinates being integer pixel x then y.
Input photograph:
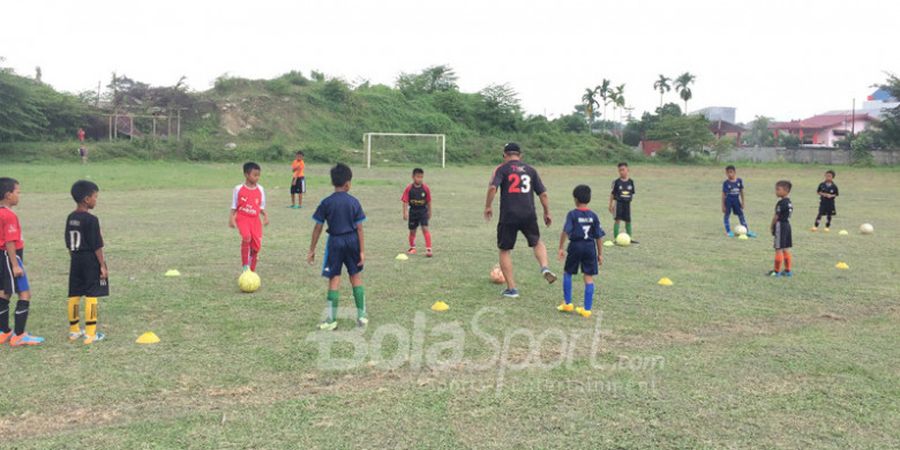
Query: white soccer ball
{"type": "Point", "coordinates": [623, 239]}
{"type": "Point", "coordinates": [866, 228]}
{"type": "Point", "coordinates": [740, 230]}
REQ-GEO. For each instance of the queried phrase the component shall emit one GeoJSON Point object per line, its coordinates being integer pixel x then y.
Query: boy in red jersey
{"type": "Point", "coordinates": [248, 203]}
{"type": "Point", "coordinates": [13, 279]}
{"type": "Point", "coordinates": [417, 210]}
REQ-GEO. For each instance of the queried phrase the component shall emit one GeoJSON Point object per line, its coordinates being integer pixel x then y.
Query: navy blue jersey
{"type": "Point", "coordinates": [623, 190]}
{"type": "Point", "coordinates": [341, 211]}
{"type": "Point", "coordinates": [783, 210]}
{"type": "Point", "coordinates": [583, 225]}
{"type": "Point", "coordinates": [733, 188]}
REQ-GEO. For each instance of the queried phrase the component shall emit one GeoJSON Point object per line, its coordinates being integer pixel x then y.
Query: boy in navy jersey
{"type": "Point", "coordinates": [582, 229]}
{"type": "Point", "coordinates": [733, 201]}
{"type": "Point", "coordinates": [620, 201]}
{"type": "Point", "coordinates": [345, 246]}
{"type": "Point", "coordinates": [88, 276]}
{"type": "Point", "coordinates": [781, 230]}
{"type": "Point", "coordinates": [827, 191]}
{"type": "Point", "coordinates": [416, 200]}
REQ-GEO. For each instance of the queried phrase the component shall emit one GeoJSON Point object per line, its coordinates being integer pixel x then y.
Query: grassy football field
{"type": "Point", "coordinates": [725, 357]}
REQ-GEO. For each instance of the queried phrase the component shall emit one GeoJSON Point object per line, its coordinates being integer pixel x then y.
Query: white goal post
{"type": "Point", "coordinates": [440, 138]}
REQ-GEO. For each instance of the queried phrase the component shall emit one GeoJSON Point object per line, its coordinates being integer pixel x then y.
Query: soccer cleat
{"type": "Point", "coordinates": [548, 275]}
{"type": "Point", "coordinates": [88, 339]}
{"type": "Point", "coordinates": [428, 253]}
{"type": "Point", "coordinates": [565, 307]}
{"type": "Point", "coordinates": [827, 229]}
{"type": "Point", "coordinates": [4, 337]}
{"type": "Point", "coordinates": [774, 274]}
{"type": "Point", "coordinates": [510, 293]}
{"type": "Point", "coordinates": [411, 251]}
{"type": "Point", "coordinates": [25, 339]}
{"type": "Point", "coordinates": [787, 274]}
{"type": "Point", "coordinates": [751, 234]}
{"type": "Point", "coordinates": [583, 312]}
{"type": "Point", "coordinates": [362, 322]}
{"type": "Point", "coordinates": [730, 234]}
{"type": "Point", "coordinates": [74, 336]}
{"type": "Point", "coordinates": [814, 229]}
{"type": "Point", "coordinates": [328, 326]}
{"type": "Point", "coordinates": [635, 242]}
{"type": "Point", "coordinates": [246, 268]}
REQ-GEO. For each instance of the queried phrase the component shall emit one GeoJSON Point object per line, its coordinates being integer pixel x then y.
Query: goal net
{"type": "Point", "coordinates": [399, 148]}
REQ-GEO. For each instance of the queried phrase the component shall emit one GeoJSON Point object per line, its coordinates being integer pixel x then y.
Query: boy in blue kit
{"type": "Point", "coordinates": [582, 228]}
{"type": "Point", "coordinates": [733, 200]}
{"type": "Point", "coordinates": [345, 246]}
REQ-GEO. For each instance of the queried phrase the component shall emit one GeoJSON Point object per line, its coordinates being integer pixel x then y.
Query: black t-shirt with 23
{"type": "Point", "coordinates": [518, 183]}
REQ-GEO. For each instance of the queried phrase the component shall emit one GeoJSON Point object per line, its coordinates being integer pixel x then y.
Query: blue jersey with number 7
{"type": "Point", "coordinates": [583, 225]}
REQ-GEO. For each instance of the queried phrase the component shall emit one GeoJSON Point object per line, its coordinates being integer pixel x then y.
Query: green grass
{"type": "Point", "coordinates": [724, 358]}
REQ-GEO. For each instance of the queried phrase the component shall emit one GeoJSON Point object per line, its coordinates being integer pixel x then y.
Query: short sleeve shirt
{"type": "Point", "coordinates": [518, 184]}
{"type": "Point", "coordinates": [83, 233]}
{"type": "Point", "coordinates": [583, 225]}
{"type": "Point", "coordinates": [341, 211]}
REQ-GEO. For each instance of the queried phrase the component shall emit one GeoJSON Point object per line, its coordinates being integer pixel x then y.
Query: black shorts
{"type": "Point", "coordinates": [582, 255]}
{"type": "Point", "coordinates": [341, 251]}
{"type": "Point", "coordinates": [507, 233]}
{"type": "Point", "coordinates": [84, 277]}
{"type": "Point", "coordinates": [827, 209]}
{"type": "Point", "coordinates": [782, 234]}
{"type": "Point", "coordinates": [9, 284]}
{"type": "Point", "coordinates": [418, 218]}
{"type": "Point", "coordinates": [298, 186]}
{"type": "Point", "coordinates": [623, 211]}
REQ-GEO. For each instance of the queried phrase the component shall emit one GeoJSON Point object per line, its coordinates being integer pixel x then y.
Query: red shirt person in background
{"type": "Point", "coordinates": [80, 135]}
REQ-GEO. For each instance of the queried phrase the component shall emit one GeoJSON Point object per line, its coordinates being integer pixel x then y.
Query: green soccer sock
{"type": "Point", "coordinates": [359, 296]}
{"type": "Point", "coordinates": [616, 229]}
{"type": "Point", "coordinates": [333, 305]}
{"type": "Point", "coordinates": [628, 228]}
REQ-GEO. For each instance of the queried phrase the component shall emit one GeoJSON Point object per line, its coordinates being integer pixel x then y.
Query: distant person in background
{"type": "Point", "coordinates": [298, 181]}
{"type": "Point", "coordinates": [80, 135]}
{"type": "Point", "coordinates": [83, 152]}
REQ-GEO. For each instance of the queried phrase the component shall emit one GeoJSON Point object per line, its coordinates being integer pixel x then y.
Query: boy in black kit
{"type": "Point", "coordinates": [781, 230]}
{"type": "Point", "coordinates": [827, 191]}
{"type": "Point", "coordinates": [88, 275]}
{"type": "Point", "coordinates": [620, 201]}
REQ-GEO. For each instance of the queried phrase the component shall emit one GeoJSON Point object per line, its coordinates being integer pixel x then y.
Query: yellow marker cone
{"type": "Point", "coordinates": [843, 232]}
{"type": "Point", "coordinates": [401, 257]}
{"type": "Point", "coordinates": [440, 306]}
{"type": "Point", "coordinates": [147, 338]}
{"type": "Point", "coordinates": [743, 237]}
{"type": "Point", "coordinates": [664, 281]}
{"type": "Point", "coordinates": [609, 244]}
{"type": "Point", "coordinates": [841, 265]}
{"type": "Point", "coordinates": [173, 273]}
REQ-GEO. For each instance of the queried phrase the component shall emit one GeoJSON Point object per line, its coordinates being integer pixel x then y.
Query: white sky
{"type": "Point", "coordinates": [787, 59]}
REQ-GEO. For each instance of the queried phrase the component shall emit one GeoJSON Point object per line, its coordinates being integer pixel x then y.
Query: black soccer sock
{"type": "Point", "coordinates": [818, 220]}
{"type": "Point", "coordinates": [828, 221]}
{"type": "Point", "coordinates": [21, 316]}
{"type": "Point", "coordinates": [4, 315]}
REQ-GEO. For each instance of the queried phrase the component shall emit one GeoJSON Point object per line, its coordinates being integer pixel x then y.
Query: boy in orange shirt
{"type": "Point", "coordinates": [298, 182]}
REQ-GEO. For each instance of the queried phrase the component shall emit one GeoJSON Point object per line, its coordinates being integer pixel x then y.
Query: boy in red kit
{"type": "Point", "coordinates": [248, 203]}
{"type": "Point", "coordinates": [417, 210]}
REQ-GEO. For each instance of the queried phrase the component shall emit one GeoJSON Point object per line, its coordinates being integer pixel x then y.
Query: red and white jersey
{"type": "Point", "coordinates": [248, 201]}
{"type": "Point", "coordinates": [10, 231]}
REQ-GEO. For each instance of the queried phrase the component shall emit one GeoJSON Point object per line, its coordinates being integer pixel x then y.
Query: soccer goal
{"type": "Point", "coordinates": [405, 148]}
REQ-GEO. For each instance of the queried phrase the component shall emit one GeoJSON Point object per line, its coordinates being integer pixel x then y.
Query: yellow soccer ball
{"type": "Point", "coordinates": [249, 281]}
{"type": "Point", "coordinates": [623, 239]}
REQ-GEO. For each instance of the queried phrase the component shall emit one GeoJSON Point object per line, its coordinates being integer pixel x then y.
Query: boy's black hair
{"type": "Point", "coordinates": [417, 171]}
{"type": "Point", "coordinates": [582, 194]}
{"type": "Point", "coordinates": [7, 185]}
{"type": "Point", "coordinates": [831, 172]}
{"type": "Point", "coordinates": [622, 164]}
{"type": "Point", "coordinates": [730, 168]}
{"type": "Point", "coordinates": [341, 174]}
{"type": "Point", "coordinates": [785, 184]}
{"type": "Point", "coordinates": [299, 152]}
{"type": "Point", "coordinates": [512, 148]}
{"type": "Point", "coordinates": [83, 189]}
{"type": "Point", "coordinates": [250, 166]}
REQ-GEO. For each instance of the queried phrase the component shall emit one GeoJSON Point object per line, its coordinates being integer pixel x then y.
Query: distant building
{"type": "Point", "coordinates": [824, 129]}
{"type": "Point", "coordinates": [713, 113]}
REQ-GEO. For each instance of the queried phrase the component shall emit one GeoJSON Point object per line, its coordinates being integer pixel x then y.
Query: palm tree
{"type": "Point", "coordinates": [603, 91]}
{"type": "Point", "coordinates": [662, 85]}
{"type": "Point", "coordinates": [682, 86]}
{"type": "Point", "coordinates": [590, 102]}
{"type": "Point", "coordinates": [619, 101]}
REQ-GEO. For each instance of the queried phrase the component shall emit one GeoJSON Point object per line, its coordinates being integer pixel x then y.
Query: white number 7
{"type": "Point", "coordinates": [587, 231]}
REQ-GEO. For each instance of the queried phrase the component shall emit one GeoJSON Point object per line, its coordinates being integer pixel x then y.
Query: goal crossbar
{"type": "Point", "coordinates": [367, 140]}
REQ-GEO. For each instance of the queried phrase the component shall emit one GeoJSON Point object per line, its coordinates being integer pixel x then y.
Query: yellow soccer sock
{"type": "Point", "coordinates": [90, 316]}
{"type": "Point", "coordinates": [73, 314]}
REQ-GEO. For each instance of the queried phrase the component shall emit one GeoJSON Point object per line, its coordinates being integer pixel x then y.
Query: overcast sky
{"type": "Point", "coordinates": [787, 59]}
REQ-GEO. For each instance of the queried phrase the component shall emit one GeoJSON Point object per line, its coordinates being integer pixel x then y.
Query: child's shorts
{"type": "Point", "coordinates": [9, 283]}
{"type": "Point", "coordinates": [341, 251]}
{"type": "Point", "coordinates": [582, 255]}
